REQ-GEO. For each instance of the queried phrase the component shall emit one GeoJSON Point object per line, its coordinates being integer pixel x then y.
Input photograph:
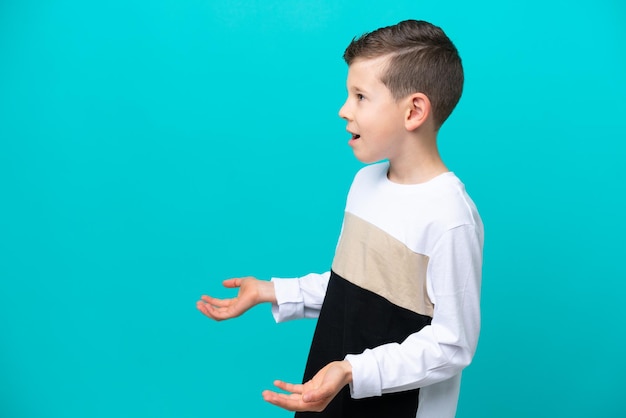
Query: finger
{"type": "Point", "coordinates": [289, 402]}
{"type": "Point", "coordinates": [220, 313]}
{"type": "Point", "coordinates": [202, 307]}
{"type": "Point", "coordinates": [217, 314]}
{"type": "Point", "coordinates": [292, 402]}
{"type": "Point", "coordinates": [288, 387]}
{"type": "Point", "coordinates": [216, 302]}
{"type": "Point", "coordinates": [232, 283]}
{"type": "Point", "coordinates": [205, 308]}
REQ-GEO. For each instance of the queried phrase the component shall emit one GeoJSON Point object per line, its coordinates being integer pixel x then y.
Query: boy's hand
{"type": "Point", "coordinates": [314, 395]}
{"type": "Point", "coordinates": [251, 293]}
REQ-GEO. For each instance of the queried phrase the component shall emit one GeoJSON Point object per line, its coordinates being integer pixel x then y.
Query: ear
{"type": "Point", "coordinates": [418, 111]}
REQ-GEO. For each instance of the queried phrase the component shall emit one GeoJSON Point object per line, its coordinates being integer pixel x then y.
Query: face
{"type": "Point", "coordinates": [375, 120]}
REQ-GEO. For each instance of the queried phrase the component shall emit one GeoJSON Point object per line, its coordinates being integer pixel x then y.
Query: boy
{"type": "Point", "coordinates": [400, 315]}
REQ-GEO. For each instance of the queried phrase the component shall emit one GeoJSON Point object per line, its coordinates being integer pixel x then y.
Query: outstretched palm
{"type": "Point", "coordinates": [220, 309]}
{"type": "Point", "coordinates": [314, 395]}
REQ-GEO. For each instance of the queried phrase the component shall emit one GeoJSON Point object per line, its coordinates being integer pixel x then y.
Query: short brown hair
{"type": "Point", "coordinates": [422, 59]}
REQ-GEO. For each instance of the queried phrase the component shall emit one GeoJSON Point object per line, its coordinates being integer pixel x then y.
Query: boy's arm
{"type": "Point", "coordinates": [290, 298]}
{"type": "Point", "coordinates": [441, 350]}
{"type": "Point", "coordinates": [299, 298]}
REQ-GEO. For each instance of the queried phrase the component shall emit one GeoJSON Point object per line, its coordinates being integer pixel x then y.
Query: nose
{"type": "Point", "coordinates": [343, 111]}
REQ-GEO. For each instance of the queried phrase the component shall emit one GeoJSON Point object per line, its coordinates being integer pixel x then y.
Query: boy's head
{"type": "Point", "coordinates": [422, 59]}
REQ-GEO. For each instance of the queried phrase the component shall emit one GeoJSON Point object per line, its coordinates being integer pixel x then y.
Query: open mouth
{"type": "Point", "coordinates": [355, 136]}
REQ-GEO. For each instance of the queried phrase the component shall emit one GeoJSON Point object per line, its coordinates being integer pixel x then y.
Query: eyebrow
{"type": "Point", "coordinates": [355, 89]}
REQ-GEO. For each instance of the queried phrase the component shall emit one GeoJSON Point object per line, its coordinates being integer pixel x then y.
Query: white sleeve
{"type": "Point", "coordinates": [439, 351]}
{"type": "Point", "coordinates": [299, 298]}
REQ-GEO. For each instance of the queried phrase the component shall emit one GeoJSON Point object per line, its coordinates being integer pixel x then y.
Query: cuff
{"type": "Point", "coordinates": [289, 301]}
{"type": "Point", "coordinates": [365, 375]}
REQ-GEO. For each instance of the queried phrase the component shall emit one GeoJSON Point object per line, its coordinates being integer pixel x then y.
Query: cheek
{"type": "Point", "coordinates": [369, 115]}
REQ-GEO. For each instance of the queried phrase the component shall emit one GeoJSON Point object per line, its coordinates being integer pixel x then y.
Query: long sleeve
{"type": "Point", "coordinates": [300, 297]}
{"type": "Point", "coordinates": [438, 352]}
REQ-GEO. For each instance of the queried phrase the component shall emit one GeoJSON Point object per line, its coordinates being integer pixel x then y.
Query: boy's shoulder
{"type": "Point", "coordinates": [416, 215]}
{"type": "Point", "coordinates": [442, 200]}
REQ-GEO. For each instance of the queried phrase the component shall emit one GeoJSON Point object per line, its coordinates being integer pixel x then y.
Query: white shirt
{"type": "Point", "coordinates": [436, 219]}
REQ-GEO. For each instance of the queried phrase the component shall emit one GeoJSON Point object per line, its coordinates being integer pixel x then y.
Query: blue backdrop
{"type": "Point", "coordinates": [151, 149]}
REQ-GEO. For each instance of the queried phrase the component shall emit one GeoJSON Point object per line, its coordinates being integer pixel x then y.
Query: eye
{"type": "Point", "coordinates": [360, 97]}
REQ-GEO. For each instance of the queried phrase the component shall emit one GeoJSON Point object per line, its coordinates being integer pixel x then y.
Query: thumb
{"type": "Point", "coordinates": [231, 283]}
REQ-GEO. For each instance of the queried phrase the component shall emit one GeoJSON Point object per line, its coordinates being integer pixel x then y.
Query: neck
{"type": "Point", "coordinates": [418, 162]}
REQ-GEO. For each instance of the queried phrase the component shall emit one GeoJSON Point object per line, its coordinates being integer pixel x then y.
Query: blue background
{"type": "Point", "coordinates": [151, 149]}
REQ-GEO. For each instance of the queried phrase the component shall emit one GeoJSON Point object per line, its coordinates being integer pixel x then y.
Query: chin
{"type": "Point", "coordinates": [366, 159]}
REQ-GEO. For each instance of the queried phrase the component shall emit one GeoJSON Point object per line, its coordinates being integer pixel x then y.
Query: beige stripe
{"type": "Point", "coordinates": [374, 260]}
